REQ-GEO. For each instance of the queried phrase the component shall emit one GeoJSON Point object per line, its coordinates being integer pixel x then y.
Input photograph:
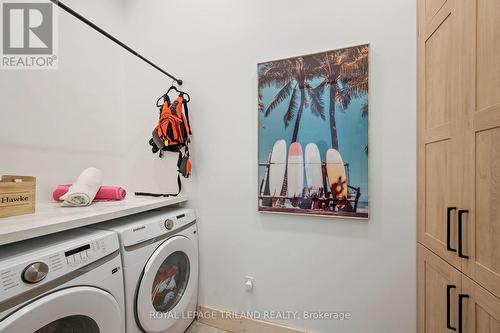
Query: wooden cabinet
{"type": "Point", "coordinates": [480, 310]}
{"type": "Point", "coordinates": [481, 142]}
{"type": "Point", "coordinates": [439, 283]}
{"type": "Point", "coordinates": [459, 163]}
{"type": "Point", "coordinates": [448, 300]}
{"type": "Point", "coordinates": [439, 105]}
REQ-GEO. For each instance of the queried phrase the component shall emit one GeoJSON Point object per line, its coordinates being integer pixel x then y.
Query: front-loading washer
{"type": "Point", "coordinates": [160, 268]}
{"type": "Point", "coordinates": [66, 282]}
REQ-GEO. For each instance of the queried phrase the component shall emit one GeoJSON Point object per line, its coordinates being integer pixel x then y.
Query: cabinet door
{"type": "Point", "coordinates": [438, 286]}
{"type": "Point", "coordinates": [439, 103]}
{"type": "Point", "coordinates": [481, 190]}
{"type": "Point", "coordinates": [480, 309]}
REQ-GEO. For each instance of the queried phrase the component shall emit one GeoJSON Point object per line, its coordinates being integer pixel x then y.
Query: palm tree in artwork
{"type": "Point", "coordinates": [291, 76]}
{"type": "Point", "coordinates": [364, 114]}
{"type": "Point", "coordinates": [345, 73]}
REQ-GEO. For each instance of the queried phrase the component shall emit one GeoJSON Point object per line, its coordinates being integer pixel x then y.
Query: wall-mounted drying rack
{"type": "Point", "coordinates": [114, 39]}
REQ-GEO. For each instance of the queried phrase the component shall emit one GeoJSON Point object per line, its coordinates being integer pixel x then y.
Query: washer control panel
{"type": "Point", "coordinates": [85, 253]}
{"type": "Point", "coordinates": [179, 220]}
{"type": "Point", "coordinates": [155, 224]}
{"type": "Point", "coordinates": [20, 274]}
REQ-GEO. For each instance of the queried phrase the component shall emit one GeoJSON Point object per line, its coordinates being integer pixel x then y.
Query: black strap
{"type": "Point", "coordinates": [179, 160]}
{"type": "Point", "coordinates": [186, 112]}
{"type": "Point", "coordinates": [166, 99]}
{"type": "Point", "coordinates": [147, 194]}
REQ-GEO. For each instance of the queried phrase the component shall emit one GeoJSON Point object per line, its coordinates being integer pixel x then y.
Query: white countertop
{"type": "Point", "coordinates": [51, 217]}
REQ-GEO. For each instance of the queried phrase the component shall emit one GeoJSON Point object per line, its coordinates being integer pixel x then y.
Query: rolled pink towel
{"type": "Point", "coordinates": [105, 193]}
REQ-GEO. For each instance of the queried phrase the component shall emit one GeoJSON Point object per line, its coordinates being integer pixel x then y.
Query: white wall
{"type": "Point", "coordinates": [367, 268]}
{"type": "Point", "coordinates": [55, 123]}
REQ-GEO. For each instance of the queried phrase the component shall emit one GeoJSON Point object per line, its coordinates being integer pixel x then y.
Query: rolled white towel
{"type": "Point", "coordinates": [83, 191]}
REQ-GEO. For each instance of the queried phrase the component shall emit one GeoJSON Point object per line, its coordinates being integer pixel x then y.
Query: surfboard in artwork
{"type": "Point", "coordinates": [337, 179]}
{"type": "Point", "coordinates": [314, 173]}
{"type": "Point", "coordinates": [277, 168]}
{"type": "Point", "coordinates": [295, 174]}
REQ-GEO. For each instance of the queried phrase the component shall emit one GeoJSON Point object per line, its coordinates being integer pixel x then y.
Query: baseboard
{"type": "Point", "coordinates": [219, 319]}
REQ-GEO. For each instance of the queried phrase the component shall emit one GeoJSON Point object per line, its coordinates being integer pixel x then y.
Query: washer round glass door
{"type": "Point", "coordinates": [73, 324]}
{"type": "Point", "coordinates": [76, 310]}
{"type": "Point", "coordinates": [167, 285]}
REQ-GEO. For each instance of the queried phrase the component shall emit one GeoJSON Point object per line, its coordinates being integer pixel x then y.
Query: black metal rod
{"type": "Point", "coordinates": [114, 39]}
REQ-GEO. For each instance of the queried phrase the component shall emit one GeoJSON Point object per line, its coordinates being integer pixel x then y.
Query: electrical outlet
{"type": "Point", "coordinates": [249, 283]}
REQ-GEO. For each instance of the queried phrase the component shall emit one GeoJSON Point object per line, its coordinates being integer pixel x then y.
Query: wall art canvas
{"type": "Point", "coordinates": [313, 134]}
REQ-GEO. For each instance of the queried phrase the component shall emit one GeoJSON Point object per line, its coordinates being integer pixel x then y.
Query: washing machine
{"type": "Point", "coordinates": [160, 267]}
{"type": "Point", "coordinates": [66, 282]}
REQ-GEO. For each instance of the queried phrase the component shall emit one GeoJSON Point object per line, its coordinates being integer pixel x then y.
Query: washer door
{"type": "Point", "coordinates": [167, 285]}
{"type": "Point", "coordinates": [76, 309]}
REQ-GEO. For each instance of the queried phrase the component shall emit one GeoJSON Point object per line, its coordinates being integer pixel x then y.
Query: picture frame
{"type": "Point", "coordinates": [313, 134]}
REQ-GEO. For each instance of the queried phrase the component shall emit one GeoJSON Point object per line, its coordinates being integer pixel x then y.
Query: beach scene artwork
{"type": "Point", "coordinates": [313, 134]}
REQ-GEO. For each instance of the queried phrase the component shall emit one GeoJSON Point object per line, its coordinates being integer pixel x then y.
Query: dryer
{"type": "Point", "coordinates": [66, 282]}
{"type": "Point", "coordinates": [160, 260]}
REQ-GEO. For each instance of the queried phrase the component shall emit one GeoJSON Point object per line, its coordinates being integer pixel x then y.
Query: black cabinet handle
{"type": "Point", "coordinates": [448, 307]}
{"type": "Point", "coordinates": [460, 311]}
{"type": "Point", "coordinates": [448, 227]}
{"type": "Point", "coordinates": [461, 212]}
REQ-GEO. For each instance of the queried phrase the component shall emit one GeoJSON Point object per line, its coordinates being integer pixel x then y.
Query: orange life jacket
{"type": "Point", "coordinates": [173, 126]}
